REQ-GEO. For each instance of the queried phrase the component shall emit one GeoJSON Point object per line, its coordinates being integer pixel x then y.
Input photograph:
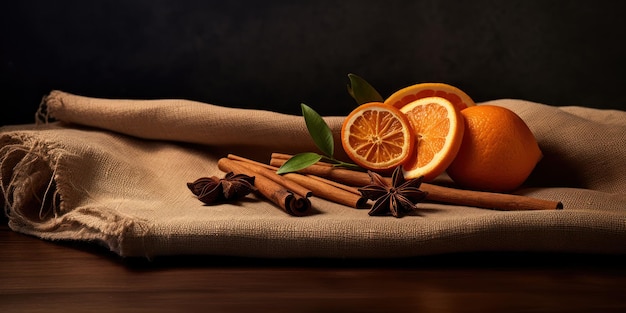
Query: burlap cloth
{"type": "Point", "coordinates": [115, 172]}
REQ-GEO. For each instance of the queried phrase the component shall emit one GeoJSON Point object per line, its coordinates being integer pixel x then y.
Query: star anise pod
{"type": "Point", "coordinates": [212, 189]}
{"type": "Point", "coordinates": [401, 197]}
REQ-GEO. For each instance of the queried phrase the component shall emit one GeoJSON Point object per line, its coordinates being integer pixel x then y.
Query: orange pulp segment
{"type": "Point", "coordinates": [438, 127]}
{"type": "Point", "coordinates": [409, 94]}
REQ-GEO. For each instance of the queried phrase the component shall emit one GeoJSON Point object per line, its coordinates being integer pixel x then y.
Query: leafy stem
{"type": "Point", "coordinates": [340, 163]}
{"type": "Point", "coordinates": [362, 91]}
{"type": "Point", "coordinates": [322, 137]}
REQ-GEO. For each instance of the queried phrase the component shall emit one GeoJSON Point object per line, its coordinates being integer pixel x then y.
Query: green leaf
{"type": "Point", "coordinates": [298, 162]}
{"type": "Point", "coordinates": [319, 130]}
{"type": "Point", "coordinates": [362, 91]}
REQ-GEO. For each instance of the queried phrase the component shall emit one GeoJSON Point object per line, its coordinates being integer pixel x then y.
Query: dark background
{"type": "Point", "coordinates": [276, 54]}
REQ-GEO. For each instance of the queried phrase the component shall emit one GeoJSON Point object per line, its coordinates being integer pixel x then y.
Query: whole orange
{"type": "Point", "coordinates": [498, 151]}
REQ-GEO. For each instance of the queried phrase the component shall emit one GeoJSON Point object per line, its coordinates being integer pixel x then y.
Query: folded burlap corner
{"type": "Point", "coordinates": [115, 172]}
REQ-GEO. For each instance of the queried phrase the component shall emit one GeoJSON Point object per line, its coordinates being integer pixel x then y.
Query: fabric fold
{"type": "Point", "coordinates": [184, 121]}
{"type": "Point", "coordinates": [115, 172]}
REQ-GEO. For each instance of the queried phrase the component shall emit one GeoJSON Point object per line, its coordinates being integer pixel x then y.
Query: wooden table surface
{"type": "Point", "coordinates": [43, 276]}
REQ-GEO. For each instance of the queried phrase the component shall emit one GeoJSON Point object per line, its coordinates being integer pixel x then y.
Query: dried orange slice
{"type": "Point", "coordinates": [409, 94]}
{"type": "Point", "coordinates": [438, 127]}
{"type": "Point", "coordinates": [377, 136]}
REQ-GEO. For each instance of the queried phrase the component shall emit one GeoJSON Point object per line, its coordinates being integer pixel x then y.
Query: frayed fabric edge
{"type": "Point", "coordinates": [44, 114]}
{"type": "Point", "coordinates": [21, 159]}
{"type": "Point", "coordinates": [73, 226]}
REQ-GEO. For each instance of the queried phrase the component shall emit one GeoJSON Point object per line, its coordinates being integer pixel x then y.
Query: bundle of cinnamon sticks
{"type": "Point", "coordinates": [291, 191]}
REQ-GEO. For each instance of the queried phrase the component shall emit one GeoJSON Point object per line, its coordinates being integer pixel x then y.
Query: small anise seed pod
{"type": "Point", "coordinates": [237, 186]}
{"type": "Point", "coordinates": [207, 189]}
{"type": "Point", "coordinates": [199, 184]}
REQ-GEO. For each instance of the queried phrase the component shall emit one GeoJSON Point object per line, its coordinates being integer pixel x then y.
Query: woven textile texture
{"type": "Point", "coordinates": [115, 172]}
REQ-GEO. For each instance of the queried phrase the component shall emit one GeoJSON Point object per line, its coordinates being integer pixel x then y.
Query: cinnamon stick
{"type": "Point", "coordinates": [328, 191]}
{"type": "Point", "coordinates": [350, 189]}
{"type": "Point", "coordinates": [326, 170]}
{"type": "Point", "coordinates": [320, 187]}
{"type": "Point", "coordinates": [279, 195]}
{"type": "Point", "coordinates": [481, 199]}
{"type": "Point", "coordinates": [270, 173]}
{"type": "Point", "coordinates": [240, 158]}
{"type": "Point", "coordinates": [285, 156]}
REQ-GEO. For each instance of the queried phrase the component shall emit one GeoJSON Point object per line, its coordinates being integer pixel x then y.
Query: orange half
{"type": "Point", "coordinates": [377, 136]}
{"type": "Point", "coordinates": [409, 94]}
{"type": "Point", "coordinates": [438, 127]}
